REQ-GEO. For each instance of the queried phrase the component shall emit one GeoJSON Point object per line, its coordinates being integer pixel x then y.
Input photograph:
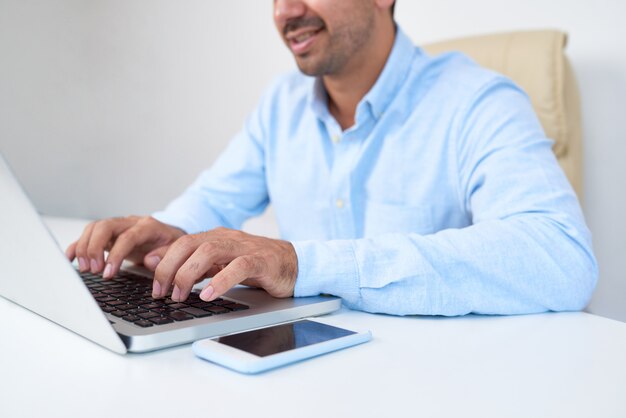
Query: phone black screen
{"type": "Point", "coordinates": [266, 341]}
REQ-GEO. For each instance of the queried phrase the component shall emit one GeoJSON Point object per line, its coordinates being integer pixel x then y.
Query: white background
{"type": "Point", "coordinates": [111, 107]}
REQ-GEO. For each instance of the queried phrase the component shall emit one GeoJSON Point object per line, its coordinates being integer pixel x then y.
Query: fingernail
{"type": "Point", "coordinates": [108, 271]}
{"type": "Point", "coordinates": [82, 264]}
{"type": "Point", "coordinates": [156, 289]}
{"type": "Point", "coordinates": [94, 266]}
{"type": "Point", "coordinates": [206, 294]}
{"type": "Point", "coordinates": [176, 294]}
{"type": "Point", "coordinates": [152, 262]}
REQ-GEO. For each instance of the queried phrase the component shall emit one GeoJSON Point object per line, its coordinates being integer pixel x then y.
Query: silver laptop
{"type": "Point", "coordinates": [119, 314]}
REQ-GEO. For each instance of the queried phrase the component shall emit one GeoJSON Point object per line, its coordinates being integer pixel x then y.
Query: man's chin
{"type": "Point", "coordinates": [308, 67]}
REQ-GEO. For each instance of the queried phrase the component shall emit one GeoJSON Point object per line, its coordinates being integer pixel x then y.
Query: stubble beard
{"type": "Point", "coordinates": [341, 46]}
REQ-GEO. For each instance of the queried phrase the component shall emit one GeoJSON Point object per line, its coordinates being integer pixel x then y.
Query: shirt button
{"type": "Point", "coordinates": [339, 203]}
{"type": "Point", "coordinates": [335, 138]}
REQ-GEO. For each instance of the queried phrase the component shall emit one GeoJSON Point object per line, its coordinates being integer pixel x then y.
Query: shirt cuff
{"type": "Point", "coordinates": [327, 267]}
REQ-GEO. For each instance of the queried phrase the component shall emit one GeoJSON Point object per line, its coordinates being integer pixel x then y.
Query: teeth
{"type": "Point", "coordinates": [303, 37]}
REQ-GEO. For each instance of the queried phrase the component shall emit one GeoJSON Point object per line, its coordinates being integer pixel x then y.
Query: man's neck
{"type": "Point", "coordinates": [345, 90]}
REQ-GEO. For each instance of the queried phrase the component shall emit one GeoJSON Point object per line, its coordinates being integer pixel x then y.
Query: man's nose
{"type": "Point", "coordinates": [287, 9]}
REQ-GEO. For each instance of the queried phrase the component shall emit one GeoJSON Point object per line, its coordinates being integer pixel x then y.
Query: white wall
{"type": "Point", "coordinates": [110, 107]}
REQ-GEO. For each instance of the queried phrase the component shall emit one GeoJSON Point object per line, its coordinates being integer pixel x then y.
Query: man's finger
{"type": "Point", "coordinates": [125, 243]}
{"type": "Point", "coordinates": [174, 258]}
{"type": "Point", "coordinates": [154, 257]}
{"type": "Point", "coordinates": [200, 263]}
{"type": "Point", "coordinates": [102, 234]}
{"type": "Point", "coordinates": [240, 269]}
{"type": "Point", "coordinates": [81, 248]}
{"type": "Point", "coordinates": [215, 268]}
{"type": "Point", "coordinates": [70, 252]}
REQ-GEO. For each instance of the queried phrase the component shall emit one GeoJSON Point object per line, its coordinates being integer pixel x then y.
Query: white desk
{"type": "Point", "coordinates": [551, 365]}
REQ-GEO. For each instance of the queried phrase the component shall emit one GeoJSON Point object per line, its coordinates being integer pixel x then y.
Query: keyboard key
{"type": "Point", "coordinates": [126, 307]}
{"type": "Point", "coordinates": [163, 311]}
{"type": "Point", "coordinates": [220, 301]}
{"type": "Point", "coordinates": [193, 297]}
{"type": "Point", "coordinates": [137, 300]}
{"type": "Point", "coordinates": [131, 318]}
{"type": "Point", "coordinates": [109, 309]}
{"type": "Point", "coordinates": [180, 316]}
{"type": "Point", "coordinates": [143, 323]}
{"type": "Point", "coordinates": [132, 294]}
{"type": "Point", "coordinates": [236, 307]}
{"type": "Point", "coordinates": [149, 315]}
{"type": "Point", "coordinates": [202, 305]}
{"type": "Point", "coordinates": [159, 302]}
{"type": "Point", "coordinates": [119, 314]}
{"type": "Point", "coordinates": [198, 313]}
{"type": "Point", "coordinates": [161, 320]}
{"type": "Point", "coordinates": [151, 306]}
{"type": "Point", "coordinates": [116, 302]}
{"type": "Point", "coordinates": [178, 305]}
{"type": "Point", "coordinates": [216, 310]}
{"type": "Point", "coordinates": [136, 311]}
{"type": "Point", "coordinates": [115, 286]}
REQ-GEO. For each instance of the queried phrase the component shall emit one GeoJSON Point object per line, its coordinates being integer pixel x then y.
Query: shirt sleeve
{"type": "Point", "coordinates": [528, 248]}
{"type": "Point", "coordinates": [231, 191]}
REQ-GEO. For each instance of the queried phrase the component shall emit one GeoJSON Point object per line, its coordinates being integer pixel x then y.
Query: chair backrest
{"type": "Point", "coordinates": [535, 60]}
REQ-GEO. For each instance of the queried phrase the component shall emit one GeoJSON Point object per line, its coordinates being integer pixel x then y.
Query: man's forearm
{"type": "Point", "coordinates": [521, 265]}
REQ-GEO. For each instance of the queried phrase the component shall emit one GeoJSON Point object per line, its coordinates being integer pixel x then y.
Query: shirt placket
{"type": "Point", "coordinates": [345, 147]}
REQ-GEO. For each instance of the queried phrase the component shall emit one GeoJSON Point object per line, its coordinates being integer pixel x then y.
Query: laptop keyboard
{"type": "Point", "coordinates": [129, 297]}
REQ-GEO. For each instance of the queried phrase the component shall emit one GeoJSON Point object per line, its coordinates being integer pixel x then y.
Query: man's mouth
{"type": "Point", "coordinates": [302, 40]}
{"type": "Point", "coordinates": [302, 33]}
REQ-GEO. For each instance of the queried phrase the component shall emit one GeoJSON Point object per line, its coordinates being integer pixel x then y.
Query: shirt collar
{"type": "Point", "coordinates": [318, 99]}
{"type": "Point", "coordinates": [386, 86]}
{"type": "Point", "coordinates": [393, 75]}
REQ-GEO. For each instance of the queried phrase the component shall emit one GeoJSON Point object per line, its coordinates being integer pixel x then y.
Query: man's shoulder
{"type": "Point", "coordinates": [284, 101]}
{"type": "Point", "coordinates": [456, 75]}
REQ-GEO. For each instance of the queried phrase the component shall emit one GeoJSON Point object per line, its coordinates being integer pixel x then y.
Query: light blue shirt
{"type": "Point", "coordinates": [444, 198]}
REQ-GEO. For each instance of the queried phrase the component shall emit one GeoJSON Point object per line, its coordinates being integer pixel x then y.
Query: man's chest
{"type": "Point", "coordinates": [364, 183]}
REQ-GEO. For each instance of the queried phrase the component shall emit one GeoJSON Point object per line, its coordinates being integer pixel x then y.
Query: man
{"type": "Point", "coordinates": [403, 183]}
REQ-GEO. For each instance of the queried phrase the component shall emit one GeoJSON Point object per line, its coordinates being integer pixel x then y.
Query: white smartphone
{"type": "Point", "coordinates": [266, 348]}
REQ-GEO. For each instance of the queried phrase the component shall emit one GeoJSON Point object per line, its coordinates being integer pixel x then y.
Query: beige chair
{"type": "Point", "coordinates": [535, 61]}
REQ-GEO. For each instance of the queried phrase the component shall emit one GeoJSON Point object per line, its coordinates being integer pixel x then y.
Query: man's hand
{"type": "Point", "coordinates": [231, 257]}
{"type": "Point", "coordinates": [139, 239]}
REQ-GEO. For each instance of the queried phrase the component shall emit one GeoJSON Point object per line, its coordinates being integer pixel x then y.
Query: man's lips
{"type": "Point", "coordinates": [301, 40]}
